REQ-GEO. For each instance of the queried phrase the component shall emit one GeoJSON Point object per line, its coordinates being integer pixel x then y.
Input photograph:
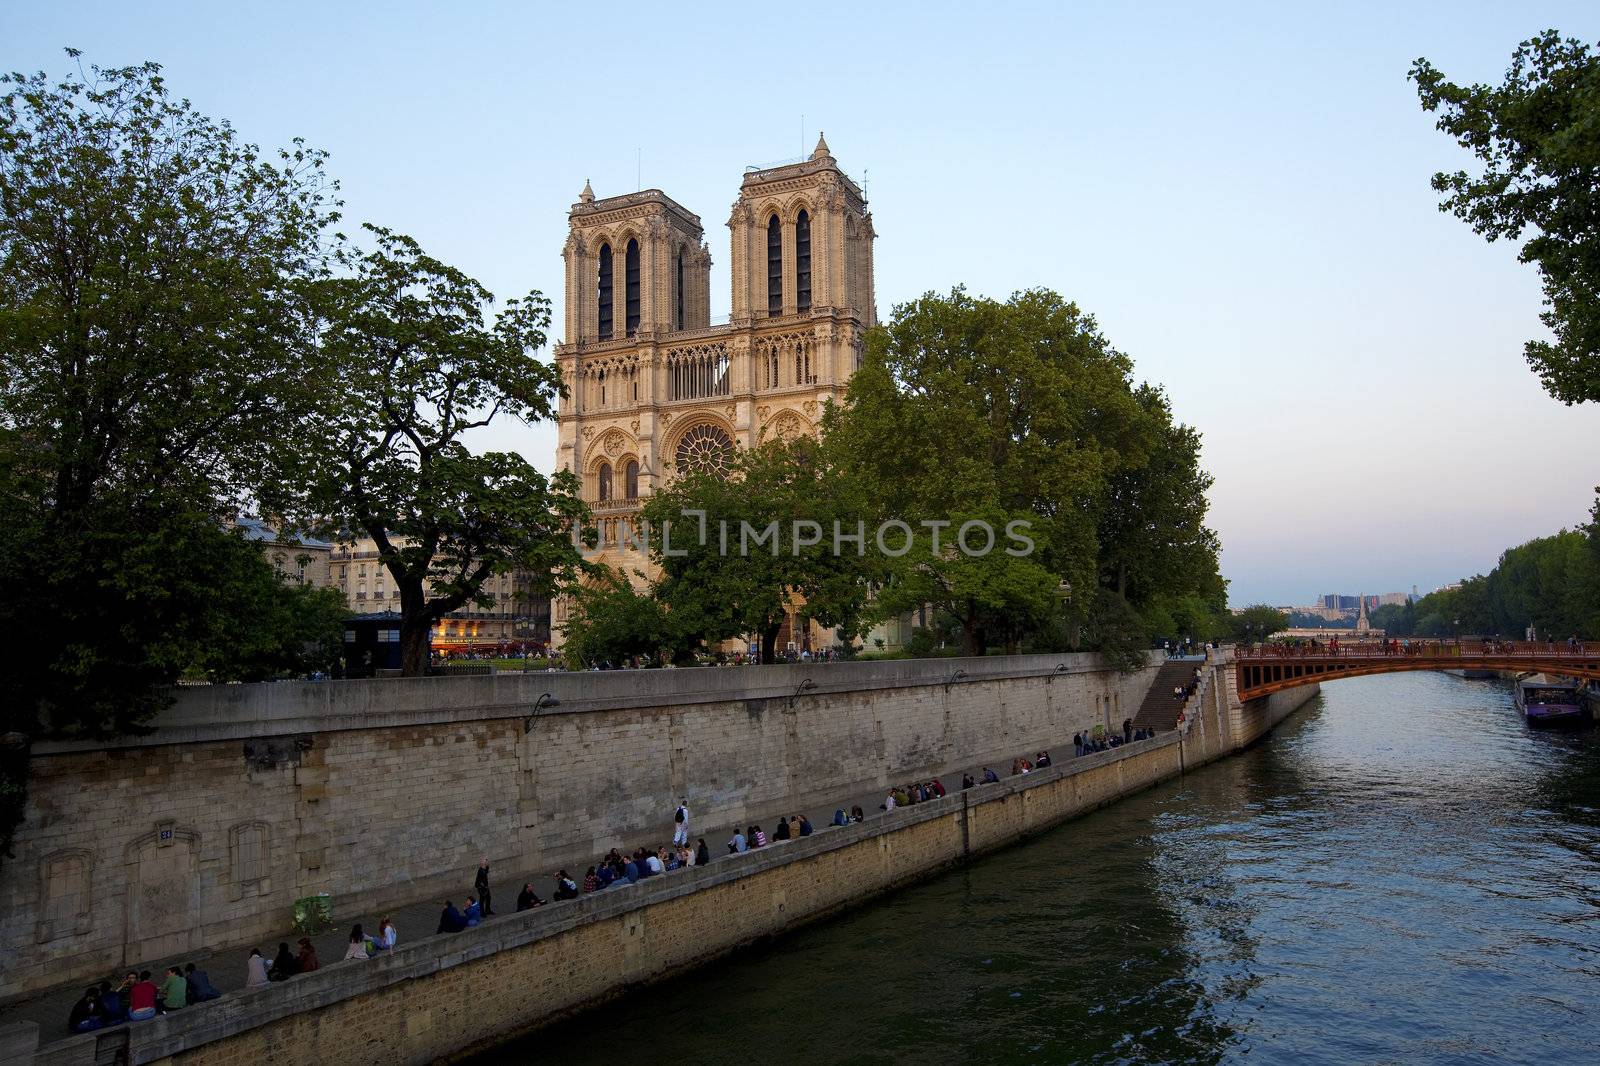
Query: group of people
{"type": "Point", "coordinates": [138, 997]}
{"type": "Point", "coordinates": [912, 794]}
{"type": "Point", "coordinates": [1087, 744]}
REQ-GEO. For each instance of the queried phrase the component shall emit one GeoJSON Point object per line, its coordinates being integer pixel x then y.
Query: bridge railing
{"type": "Point", "coordinates": [1400, 647]}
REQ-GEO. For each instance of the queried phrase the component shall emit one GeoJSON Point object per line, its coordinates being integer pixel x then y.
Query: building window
{"type": "Point", "coordinates": [601, 379]}
{"type": "Point", "coordinates": [605, 482]}
{"type": "Point", "coordinates": [605, 292]}
{"type": "Point", "coordinates": [679, 268]}
{"type": "Point", "coordinates": [802, 261]}
{"type": "Point", "coordinates": [697, 372]}
{"type": "Point", "coordinates": [64, 897]}
{"type": "Point", "coordinates": [630, 480]}
{"type": "Point", "coordinates": [247, 847]}
{"type": "Point", "coordinates": [705, 449]}
{"type": "Point", "coordinates": [774, 267]}
{"type": "Point", "coordinates": [632, 268]}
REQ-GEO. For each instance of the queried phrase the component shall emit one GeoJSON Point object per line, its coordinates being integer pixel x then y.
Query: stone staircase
{"type": "Point", "coordinates": [1159, 711]}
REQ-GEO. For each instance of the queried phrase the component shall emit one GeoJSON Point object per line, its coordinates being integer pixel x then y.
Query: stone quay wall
{"type": "Point", "coordinates": [246, 797]}
{"type": "Point", "coordinates": [445, 997]}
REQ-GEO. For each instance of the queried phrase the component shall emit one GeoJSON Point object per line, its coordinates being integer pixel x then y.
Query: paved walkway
{"type": "Point", "coordinates": [417, 920]}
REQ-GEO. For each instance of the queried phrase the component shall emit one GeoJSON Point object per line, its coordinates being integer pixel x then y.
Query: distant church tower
{"type": "Point", "coordinates": [654, 387]}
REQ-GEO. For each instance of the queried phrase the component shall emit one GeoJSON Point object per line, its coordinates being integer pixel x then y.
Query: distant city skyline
{"type": "Point", "coordinates": [1240, 196]}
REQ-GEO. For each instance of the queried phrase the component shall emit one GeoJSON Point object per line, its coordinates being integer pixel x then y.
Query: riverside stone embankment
{"type": "Point", "coordinates": [442, 996]}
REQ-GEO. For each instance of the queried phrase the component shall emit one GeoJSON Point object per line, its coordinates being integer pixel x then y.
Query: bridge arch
{"type": "Point", "coordinates": [1261, 671]}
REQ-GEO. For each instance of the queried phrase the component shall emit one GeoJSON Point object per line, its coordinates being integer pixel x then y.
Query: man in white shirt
{"type": "Point", "coordinates": [680, 824]}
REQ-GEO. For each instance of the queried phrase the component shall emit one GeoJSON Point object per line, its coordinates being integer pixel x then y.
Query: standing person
{"type": "Point", "coordinates": [255, 970]}
{"type": "Point", "coordinates": [680, 824]}
{"type": "Point", "coordinates": [481, 883]}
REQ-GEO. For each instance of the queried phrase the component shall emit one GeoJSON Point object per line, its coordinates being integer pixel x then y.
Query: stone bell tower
{"type": "Point", "coordinates": [802, 243]}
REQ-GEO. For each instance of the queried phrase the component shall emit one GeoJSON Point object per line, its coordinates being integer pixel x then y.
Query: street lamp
{"type": "Point", "coordinates": [545, 700]}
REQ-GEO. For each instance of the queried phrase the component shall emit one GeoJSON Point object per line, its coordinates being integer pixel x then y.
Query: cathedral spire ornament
{"type": "Point", "coordinates": [587, 195]}
{"type": "Point", "coordinates": [821, 151]}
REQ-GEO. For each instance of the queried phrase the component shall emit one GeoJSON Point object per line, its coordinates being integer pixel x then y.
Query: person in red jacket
{"type": "Point", "coordinates": [142, 999]}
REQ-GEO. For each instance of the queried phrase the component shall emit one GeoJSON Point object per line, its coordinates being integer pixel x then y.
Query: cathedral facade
{"type": "Point", "coordinates": [654, 387]}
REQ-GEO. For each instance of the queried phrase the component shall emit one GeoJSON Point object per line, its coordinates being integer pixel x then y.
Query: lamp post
{"type": "Point", "coordinates": [545, 700]}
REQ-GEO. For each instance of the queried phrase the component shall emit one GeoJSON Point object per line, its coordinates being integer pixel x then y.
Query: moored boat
{"type": "Point", "coordinates": [1548, 701]}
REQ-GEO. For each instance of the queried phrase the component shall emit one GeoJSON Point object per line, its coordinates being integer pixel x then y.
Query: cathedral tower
{"type": "Point", "coordinates": [653, 387]}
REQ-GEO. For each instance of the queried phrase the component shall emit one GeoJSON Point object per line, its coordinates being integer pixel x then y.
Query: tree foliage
{"type": "Point", "coordinates": [412, 371]}
{"type": "Point", "coordinates": [1550, 583]}
{"type": "Point", "coordinates": [154, 347]}
{"type": "Point", "coordinates": [609, 621]}
{"type": "Point", "coordinates": [1023, 411]}
{"type": "Point", "coordinates": [740, 569]}
{"type": "Point", "coordinates": [1537, 139]}
{"type": "Point", "coordinates": [1256, 623]}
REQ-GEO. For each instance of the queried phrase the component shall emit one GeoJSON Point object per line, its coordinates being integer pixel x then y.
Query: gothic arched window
{"type": "Point", "coordinates": [605, 482]}
{"type": "Point", "coordinates": [802, 261]}
{"type": "Point", "coordinates": [630, 480]}
{"type": "Point", "coordinates": [705, 449]}
{"type": "Point", "coordinates": [605, 292]}
{"type": "Point", "coordinates": [679, 266]}
{"type": "Point", "coordinates": [632, 268]}
{"type": "Point", "coordinates": [774, 267]}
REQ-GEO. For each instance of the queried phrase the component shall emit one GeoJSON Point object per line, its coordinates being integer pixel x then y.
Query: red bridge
{"type": "Point", "coordinates": [1272, 668]}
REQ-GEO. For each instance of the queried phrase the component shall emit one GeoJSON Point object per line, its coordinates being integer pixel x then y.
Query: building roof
{"type": "Point", "coordinates": [257, 530]}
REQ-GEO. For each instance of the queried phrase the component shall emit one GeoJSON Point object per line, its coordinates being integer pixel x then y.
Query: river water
{"type": "Point", "coordinates": [1402, 872]}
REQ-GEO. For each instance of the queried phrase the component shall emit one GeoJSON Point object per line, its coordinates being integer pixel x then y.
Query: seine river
{"type": "Point", "coordinates": [1402, 872]}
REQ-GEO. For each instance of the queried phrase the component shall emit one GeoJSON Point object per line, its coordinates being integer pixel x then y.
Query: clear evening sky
{"type": "Point", "coordinates": [1239, 193]}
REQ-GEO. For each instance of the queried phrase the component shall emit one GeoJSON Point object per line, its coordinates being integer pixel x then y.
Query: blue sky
{"type": "Point", "coordinates": [1239, 193]}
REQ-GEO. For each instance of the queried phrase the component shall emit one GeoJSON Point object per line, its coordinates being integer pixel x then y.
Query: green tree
{"type": "Point", "coordinates": [1024, 411]}
{"type": "Point", "coordinates": [1537, 138]}
{"type": "Point", "coordinates": [609, 620]}
{"type": "Point", "coordinates": [740, 550]}
{"type": "Point", "coordinates": [154, 344]}
{"type": "Point", "coordinates": [1256, 623]}
{"type": "Point", "coordinates": [414, 370]}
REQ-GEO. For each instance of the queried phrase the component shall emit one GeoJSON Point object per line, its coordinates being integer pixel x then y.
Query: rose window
{"type": "Point", "coordinates": [705, 449]}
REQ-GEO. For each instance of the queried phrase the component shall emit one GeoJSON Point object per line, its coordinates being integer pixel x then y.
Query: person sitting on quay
{"type": "Point", "coordinates": [358, 945]}
{"type": "Point", "coordinates": [86, 1015]}
{"type": "Point", "coordinates": [528, 899]}
{"type": "Point", "coordinates": [702, 855]}
{"type": "Point", "coordinates": [388, 935]}
{"type": "Point", "coordinates": [1042, 761]}
{"type": "Point", "coordinates": [967, 781]}
{"type": "Point", "coordinates": [990, 777]}
{"type": "Point", "coordinates": [857, 814]}
{"type": "Point", "coordinates": [255, 970]}
{"type": "Point", "coordinates": [782, 832]}
{"type": "Point", "coordinates": [566, 887]}
{"type": "Point", "coordinates": [174, 991]}
{"type": "Point", "coordinates": [472, 911]}
{"type": "Point", "coordinates": [794, 827]}
{"type": "Point", "coordinates": [591, 881]}
{"type": "Point", "coordinates": [284, 965]}
{"type": "Point", "coordinates": [306, 959]}
{"type": "Point", "coordinates": [758, 838]}
{"type": "Point", "coordinates": [938, 788]}
{"type": "Point", "coordinates": [113, 1008]}
{"type": "Point", "coordinates": [630, 872]}
{"type": "Point", "coordinates": [805, 826]}
{"type": "Point", "coordinates": [142, 996]}
{"type": "Point", "coordinates": [888, 803]}
{"type": "Point", "coordinates": [450, 919]}
{"type": "Point", "coordinates": [657, 862]}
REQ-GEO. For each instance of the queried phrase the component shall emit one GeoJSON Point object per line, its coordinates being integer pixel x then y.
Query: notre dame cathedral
{"type": "Point", "coordinates": [654, 387]}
